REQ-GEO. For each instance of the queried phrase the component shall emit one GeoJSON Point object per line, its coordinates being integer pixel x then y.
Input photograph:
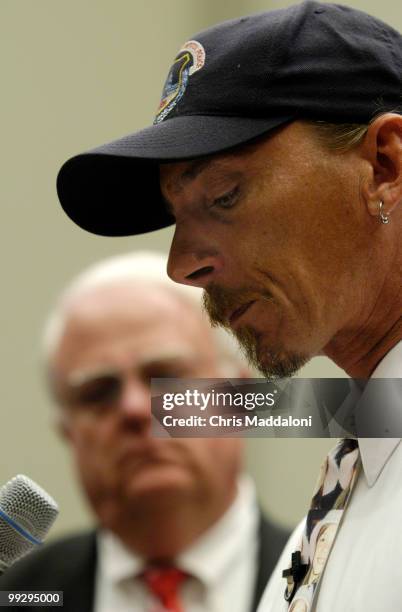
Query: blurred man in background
{"type": "Point", "coordinates": [179, 525]}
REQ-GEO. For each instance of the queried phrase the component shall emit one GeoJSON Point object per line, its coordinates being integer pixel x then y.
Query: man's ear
{"type": "Point", "coordinates": [382, 148]}
{"type": "Point", "coordinates": [61, 426]}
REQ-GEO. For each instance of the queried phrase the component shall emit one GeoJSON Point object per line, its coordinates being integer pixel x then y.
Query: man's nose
{"type": "Point", "coordinates": [135, 402]}
{"type": "Point", "coordinates": [193, 262]}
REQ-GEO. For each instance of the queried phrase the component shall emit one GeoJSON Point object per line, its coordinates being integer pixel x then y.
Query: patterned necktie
{"type": "Point", "coordinates": [336, 480]}
{"type": "Point", "coordinates": [164, 583]}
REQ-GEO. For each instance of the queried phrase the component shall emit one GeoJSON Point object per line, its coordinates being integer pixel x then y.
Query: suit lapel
{"type": "Point", "coordinates": [272, 540]}
{"type": "Point", "coordinates": [79, 576]}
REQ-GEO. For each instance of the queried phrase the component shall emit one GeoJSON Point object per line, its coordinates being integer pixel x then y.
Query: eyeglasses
{"type": "Point", "coordinates": [100, 390]}
{"type": "Point", "coordinates": [103, 388]}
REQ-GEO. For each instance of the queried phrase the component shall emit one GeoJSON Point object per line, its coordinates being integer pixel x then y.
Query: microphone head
{"type": "Point", "coordinates": [26, 514]}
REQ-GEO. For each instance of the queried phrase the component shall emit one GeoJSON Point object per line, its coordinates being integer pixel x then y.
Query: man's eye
{"type": "Point", "coordinates": [100, 391]}
{"type": "Point", "coordinates": [227, 200]}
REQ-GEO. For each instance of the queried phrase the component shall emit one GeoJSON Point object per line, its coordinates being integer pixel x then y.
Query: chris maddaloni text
{"type": "Point", "coordinates": [235, 421]}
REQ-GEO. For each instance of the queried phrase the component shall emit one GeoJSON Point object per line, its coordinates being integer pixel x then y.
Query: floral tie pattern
{"type": "Point", "coordinates": [331, 495]}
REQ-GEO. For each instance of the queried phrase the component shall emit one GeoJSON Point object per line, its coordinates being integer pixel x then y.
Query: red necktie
{"type": "Point", "coordinates": [164, 583]}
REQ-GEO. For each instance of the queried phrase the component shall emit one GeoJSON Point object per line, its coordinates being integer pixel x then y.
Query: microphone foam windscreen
{"type": "Point", "coordinates": [26, 514]}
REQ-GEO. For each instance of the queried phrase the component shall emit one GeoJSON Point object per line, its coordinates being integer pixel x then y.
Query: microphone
{"type": "Point", "coordinates": [26, 514]}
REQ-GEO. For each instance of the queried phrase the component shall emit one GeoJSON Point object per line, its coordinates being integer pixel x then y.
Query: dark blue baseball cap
{"type": "Point", "coordinates": [229, 85]}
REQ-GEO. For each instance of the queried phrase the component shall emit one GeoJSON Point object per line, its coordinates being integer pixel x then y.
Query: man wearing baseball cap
{"type": "Point", "coordinates": [277, 152]}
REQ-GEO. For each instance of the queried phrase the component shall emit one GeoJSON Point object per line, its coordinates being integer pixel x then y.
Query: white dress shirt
{"type": "Point", "coordinates": [223, 562]}
{"type": "Point", "coordinates": [364, 568]}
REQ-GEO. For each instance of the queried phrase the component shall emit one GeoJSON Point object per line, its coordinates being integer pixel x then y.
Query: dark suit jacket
{"type": "Point", "coordinates": [69, 565]}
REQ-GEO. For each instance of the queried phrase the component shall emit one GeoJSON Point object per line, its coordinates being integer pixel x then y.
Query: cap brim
{"type": "Point", "coordinates": [114, 190]}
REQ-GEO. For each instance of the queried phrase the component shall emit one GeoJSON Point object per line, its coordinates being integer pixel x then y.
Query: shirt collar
{"type": "Point", "coordinates": [217, 550]}
{"type": "Point", "coordinates": [207, 558]}
{"type": "Point", "coordinates": [375, 452]}
{"type": "Point", "coordinates": [116, 561]}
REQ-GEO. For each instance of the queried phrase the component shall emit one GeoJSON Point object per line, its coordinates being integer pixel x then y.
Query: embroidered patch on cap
{"type": "Point", "coordinates": [189, 59]}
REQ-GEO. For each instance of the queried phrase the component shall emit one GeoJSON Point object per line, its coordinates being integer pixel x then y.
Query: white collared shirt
{"type": "Point", "coordinates": [364, 569]}
{"type": "Point", "coordinates": [223, 562]}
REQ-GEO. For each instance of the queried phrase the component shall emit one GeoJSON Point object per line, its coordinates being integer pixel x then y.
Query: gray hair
{"type": "Point", "coordinates": [340, 137]}
{"type": "Point", "coordinates": [140, 266]}
{"type": "Point", "coordinates": [343, 137]}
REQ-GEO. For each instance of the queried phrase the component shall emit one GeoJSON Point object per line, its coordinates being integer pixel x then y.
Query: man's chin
{"type": "Point", "coordinates": [270, 363]}
{"type": "Point", "coordinates": [159, 485]}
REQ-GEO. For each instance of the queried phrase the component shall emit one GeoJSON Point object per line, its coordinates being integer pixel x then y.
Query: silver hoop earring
{"type": "Point", "coordinates": [384, 218]}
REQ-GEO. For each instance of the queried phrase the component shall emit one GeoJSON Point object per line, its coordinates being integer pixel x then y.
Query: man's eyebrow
{"type": "Point", "coordinates": [169, 355]}
{"type": "Point", "coordinates": [194, 169]}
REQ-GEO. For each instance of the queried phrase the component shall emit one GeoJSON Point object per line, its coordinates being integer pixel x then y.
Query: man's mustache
{"type": "Point", "coordinates": [221, 302]}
